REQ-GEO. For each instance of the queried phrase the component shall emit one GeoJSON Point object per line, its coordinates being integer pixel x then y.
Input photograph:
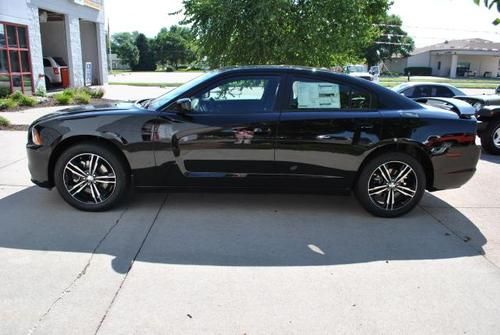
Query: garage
{"type": "Point", "coordinates": [47, 44]}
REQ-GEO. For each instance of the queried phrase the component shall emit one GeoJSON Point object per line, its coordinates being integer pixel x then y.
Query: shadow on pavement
{"type": "Point", "coordinates": [235, 230]}
{"type": "Point", "coordinates": [490, 158]}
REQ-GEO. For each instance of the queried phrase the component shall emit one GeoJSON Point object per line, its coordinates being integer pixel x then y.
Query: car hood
{"type": "Point", "coordinates": [360, 74]}
{"type": "Point", "coordinates": [92, 110]}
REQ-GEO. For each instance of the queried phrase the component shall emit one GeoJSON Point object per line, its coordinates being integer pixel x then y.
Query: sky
{"type": "Point", "coordinates": [427, 21]}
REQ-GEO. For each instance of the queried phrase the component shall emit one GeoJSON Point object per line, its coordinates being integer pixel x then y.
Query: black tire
{"type": "Point", "coordinates": [403, 195]}
{"type": "Point", "coordinates": [48, 84]}
{"type": "Point", "coordinates": [490, 135]}
{"type": "Point", "coordinates": [110, 180]}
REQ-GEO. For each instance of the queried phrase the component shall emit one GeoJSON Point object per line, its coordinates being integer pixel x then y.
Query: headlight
{"type": "Point", "coordinates": [35, 136]}
{"type": "Point", "coordinates": [477, 106]}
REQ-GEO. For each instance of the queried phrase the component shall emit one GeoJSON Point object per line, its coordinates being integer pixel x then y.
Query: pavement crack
{"type": "Point", "coordinates": [130, 266]}
{"type": "Point", "coordinates": [82, 273]}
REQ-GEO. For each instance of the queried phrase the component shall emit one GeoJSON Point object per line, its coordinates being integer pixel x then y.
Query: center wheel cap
{"type": "Point", "coordinates": [90, 179]}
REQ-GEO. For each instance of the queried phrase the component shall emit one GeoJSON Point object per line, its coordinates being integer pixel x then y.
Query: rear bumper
{"type": "Point", "coordinates": [456, 167]}
{"type": "Point", "coordinates": [38, 165]}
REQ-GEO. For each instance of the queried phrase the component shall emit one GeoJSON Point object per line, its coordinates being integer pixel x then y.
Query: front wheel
{"type": "Point", "coordinates": [91, 177]}
{"type": "Point", "coordinates": [391, 185]}
{"type": "Point", "coordinates": [490, 138]}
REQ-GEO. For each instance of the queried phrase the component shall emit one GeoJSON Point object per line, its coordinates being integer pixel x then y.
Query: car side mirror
{"type": "Point", "coordinates": [184, 105]}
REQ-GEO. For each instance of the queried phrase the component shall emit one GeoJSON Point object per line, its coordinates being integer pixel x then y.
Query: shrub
{"type": "Point", "coordinates": [17, 96]}
{"type": "Point", "coordinates": [4, 122]}
{"type": "Point", "coordinates": [63, 99]}
{"type": "Point", "coordinates": [81, 97]}
{"type": "Point", "coordinates": [4, 92]}
{"type": "Point", "coordinates": [27, 101]}
{"type": "Point", "coordinates": [97, 93]}
{"type": "Point", "coordinates": [70, 92]}
{"type": "Point", "coordinates": [41, 92]}
{"type": "Point", "coordinates": [418, 71]}
{"type": "Point", "coordinates": [8, 103]}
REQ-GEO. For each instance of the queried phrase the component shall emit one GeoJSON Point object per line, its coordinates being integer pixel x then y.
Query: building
{"type": "Point", "coordinates": [30, 30]}
{"type": "Point", "coordinates": [456, 58]}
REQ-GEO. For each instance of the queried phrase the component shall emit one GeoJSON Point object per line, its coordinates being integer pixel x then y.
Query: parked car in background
{"type": "Point", "coordinates": [488, 115]}
{"type": "Point", "coordinates": [267, 127]}
{"type": "Point", "coordinates": [414, 90]}
{"type": "Point", "coordinates": [360, 71]}
{"type": "Point", "coordinates": [52, 68]}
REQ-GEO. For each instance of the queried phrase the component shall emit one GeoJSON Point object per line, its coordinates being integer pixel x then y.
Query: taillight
{"type": "Point", "coordinates": [56, 70]}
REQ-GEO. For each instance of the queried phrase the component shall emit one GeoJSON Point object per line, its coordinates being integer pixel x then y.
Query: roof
{"type": "Point", "coordinates": [475, 44]}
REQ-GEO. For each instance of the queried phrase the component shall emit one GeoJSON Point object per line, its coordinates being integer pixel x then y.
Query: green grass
{"type": "Point", "coordinates": [4, 122]}
{"type": "Point", "coordinates": [460, 83]}
{"type": "Point", "coordinates": [162, 85]}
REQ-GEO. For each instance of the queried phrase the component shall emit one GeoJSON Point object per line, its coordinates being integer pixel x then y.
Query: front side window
{"type": "Point", "coordinates": [238, 95]}
{"type": "Point", "coordinates": [311, 94]}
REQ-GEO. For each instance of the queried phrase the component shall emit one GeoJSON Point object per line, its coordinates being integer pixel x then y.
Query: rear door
{"type": "Point", "coordinates": [325, 127]}
{"type": "Point", "coordinates": [230, 131]}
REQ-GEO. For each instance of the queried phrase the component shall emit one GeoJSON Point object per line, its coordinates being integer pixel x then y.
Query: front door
{"type": "Point", "coordinates": [230, 130]}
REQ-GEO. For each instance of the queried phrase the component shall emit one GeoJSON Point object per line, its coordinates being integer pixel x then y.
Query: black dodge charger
{"type": "Point", "coordinates": [265, 127]}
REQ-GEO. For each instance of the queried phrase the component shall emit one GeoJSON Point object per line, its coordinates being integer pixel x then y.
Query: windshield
{"type": "Point", "coordinates": [164, 99]}
{"type": "Point", "coordinates": [355, 68]}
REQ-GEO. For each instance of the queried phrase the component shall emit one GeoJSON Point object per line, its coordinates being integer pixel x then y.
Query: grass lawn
{"type": "Point", "coordinates": [487, 83]}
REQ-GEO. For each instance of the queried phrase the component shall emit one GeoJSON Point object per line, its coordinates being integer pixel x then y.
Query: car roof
{"type": "Point", "coordinates": [413, 83]}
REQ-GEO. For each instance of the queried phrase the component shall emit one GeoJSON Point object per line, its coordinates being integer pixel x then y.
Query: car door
{"type": "Point", "coordinates": [230, 130]}
{"type": "Point", "coordinates": [325, 127]}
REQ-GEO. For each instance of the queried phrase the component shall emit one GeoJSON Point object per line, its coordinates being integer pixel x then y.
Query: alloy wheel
{"type": "Point", "coordinates": [392, 185]}
{"type": "Point", "coordinates": [89, 178]}
{"type": "Point", "coordinates": [496, 137]}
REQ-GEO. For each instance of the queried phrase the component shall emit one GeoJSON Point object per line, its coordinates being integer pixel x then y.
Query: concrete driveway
{"type": "Point", "coordinates": [191, 263]}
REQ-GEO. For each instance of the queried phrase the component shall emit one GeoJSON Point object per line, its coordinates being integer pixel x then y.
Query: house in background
{"type": "Point", "coordinates": [456, 58]}
{"type": "Point", "coordinates": [72, 30]}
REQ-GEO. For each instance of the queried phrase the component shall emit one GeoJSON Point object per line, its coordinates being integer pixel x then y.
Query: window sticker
{"type": "Point", "coordinates": [318, 95]}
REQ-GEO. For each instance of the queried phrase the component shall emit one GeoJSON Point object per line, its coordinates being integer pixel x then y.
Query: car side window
{"type": "Point", "coordinates": [311, 94]}
{"type": "Point", "coordinates": [443, 92]}
{"type": "Point", "coordinates": [238, 95]}
{"type": "Point", "coordinates": [409, 92]}
{"type": "Point", "coordinates": [46, 63]}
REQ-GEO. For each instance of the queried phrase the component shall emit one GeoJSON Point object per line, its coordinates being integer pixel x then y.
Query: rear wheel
{"type": "Point", "coordinates": [490, 138]}
{"type": "Point", "coordinates": [91, 177]}
{"type": "Point", "coordinates": [391, 185]}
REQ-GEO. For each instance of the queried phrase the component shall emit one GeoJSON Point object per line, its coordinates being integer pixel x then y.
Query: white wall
{"type": "Point", "coordinates": [90, 52]}
{"type": "Point", "coordinates": [421, 59]}
{"type": "Point", "coordinates": [445, 65]}
{"type": "Point", "coordinates": [396, 65]}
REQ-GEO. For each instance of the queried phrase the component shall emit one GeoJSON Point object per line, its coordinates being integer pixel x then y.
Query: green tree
{"type": "Point", "coordinates": [393, 40]}
{"type": "Point", "coordinates": [490, 4]}
{"type": "Point", "coordinates": [301, 32]}
{"type": "Point", "coordinates": [146, 60]}
{"type": "Point", "coordinates": [123, 44]}
{"type": "Point", "coordinates": [174, 46]}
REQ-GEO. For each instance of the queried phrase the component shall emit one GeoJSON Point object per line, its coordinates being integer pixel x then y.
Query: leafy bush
{"type": "Point", "coordinates": [4, 122]}
{"type": "Point", "coordinates": [63, 98]}
{"type": "Point", "coordinates": [81, 97]}
{"type": "Point", "coordinates": [169, 69]}
{"type": "Point", "coordinates": [41, 92]}
{"type": "Point", "coordinates": [97, 93]}
{"type": "Point", "coordinates": [8, 103]}
{"type": "Point", "coordinates": [418, 71]}
{"type": "Point", "coordinates": [4, 92]}
{"type": "Point", "coordinates": [27, 101]}
{"type": "Point", "coordinates": [70, 92]}
{"type": "Point", "coordinates": [17, 96]}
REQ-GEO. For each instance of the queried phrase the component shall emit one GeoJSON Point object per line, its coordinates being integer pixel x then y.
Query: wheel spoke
{"type": "Point", "coordinates": [378, 190]}
{"type": "Point", "coordinates": [402, 172]}
{"type": "Point", "coordinates": [93, 193]}
{"type": "Point", "coordinates": [398, 180]}
{"type": "Point", "coordinates": [75, 170]}
{"type": "Point", "coordinates": [96, 189]}
{"type": "Point", "coordinates": [80, 189]}
{"type": "Point", "coordinates": [96, 162]}
{"type": "Point", "coordinates": [406, 191]}
{"type": "Point", "coordinates": [77, 185]}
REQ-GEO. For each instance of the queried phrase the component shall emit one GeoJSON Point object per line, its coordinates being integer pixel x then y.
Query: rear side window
{"type": "Point", "coordinates": [60, 61]}
{"type": "Point", "coordinates": [310, 94]}
{"type": "Point", "coordinates": [443, 92]}
{"type": "Point", "coordinates": [46, 63]}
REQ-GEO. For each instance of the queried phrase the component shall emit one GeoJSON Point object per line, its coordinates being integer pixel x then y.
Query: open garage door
{"type": "Point", "coordinates": [54, 48]}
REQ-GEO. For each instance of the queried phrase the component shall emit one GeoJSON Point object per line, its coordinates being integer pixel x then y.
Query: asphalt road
{"type": "Point", "coordinates": [191, 263]}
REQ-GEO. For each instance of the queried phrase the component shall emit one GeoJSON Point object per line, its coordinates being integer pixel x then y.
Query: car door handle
{"type": "Point", "coordinates": [366, 126]}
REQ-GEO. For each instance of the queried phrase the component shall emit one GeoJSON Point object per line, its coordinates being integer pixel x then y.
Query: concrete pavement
{"type": "Point", "coordinates": [190, 263]}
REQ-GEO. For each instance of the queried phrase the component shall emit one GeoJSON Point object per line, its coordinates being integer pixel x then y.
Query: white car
{"type": "Point", "coordinates": [52, 68]}
{"type": "Point", "coordinates": [360, 71]}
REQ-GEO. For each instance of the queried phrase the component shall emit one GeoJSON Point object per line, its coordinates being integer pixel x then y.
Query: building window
{"type": "Point", "coordinates": [15, 58]}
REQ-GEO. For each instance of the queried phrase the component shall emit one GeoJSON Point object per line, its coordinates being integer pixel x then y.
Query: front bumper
{"type": "Point", "coordinates": [38, 165]}
{"type": "Point", "coordinates": [456, 167]}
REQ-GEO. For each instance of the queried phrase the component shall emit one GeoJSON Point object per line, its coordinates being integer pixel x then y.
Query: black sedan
{"type": "Point", "coordinates": [267, 128]}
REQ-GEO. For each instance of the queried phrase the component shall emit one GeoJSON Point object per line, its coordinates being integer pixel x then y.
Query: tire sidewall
{"type": "Point", "coordinates": [361, 188]}
{"type": "Point", "coordinates": [115, 162]}
{"type": "Point", "coordinates": [487, 137]}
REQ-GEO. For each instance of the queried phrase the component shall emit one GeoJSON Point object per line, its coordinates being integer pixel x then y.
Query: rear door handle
{"type": "Point", "coordinates": [366, 126]}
